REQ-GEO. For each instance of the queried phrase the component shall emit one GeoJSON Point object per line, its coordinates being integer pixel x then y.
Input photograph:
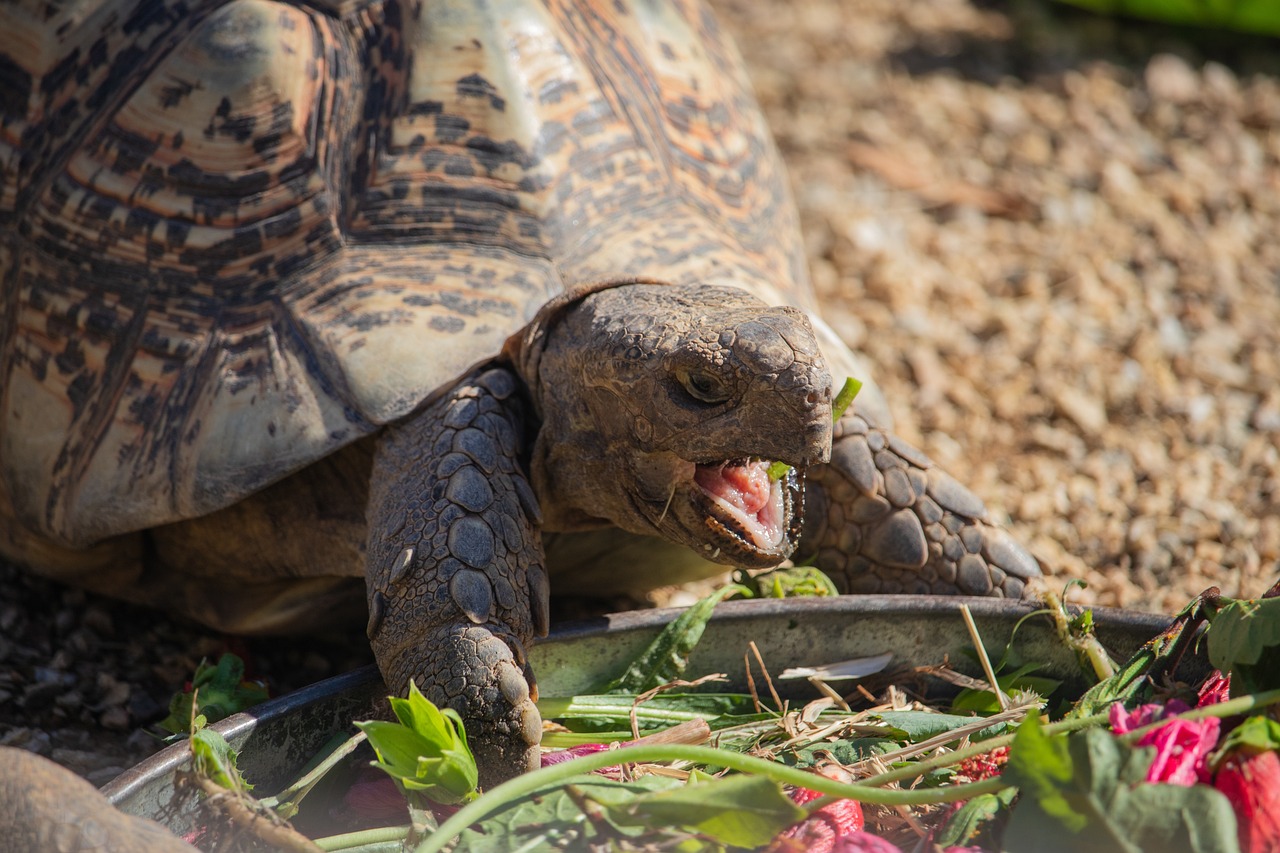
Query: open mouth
{"type": "Point", "coordinates": [747, 508]}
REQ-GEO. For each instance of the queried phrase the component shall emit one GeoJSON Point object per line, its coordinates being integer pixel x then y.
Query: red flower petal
{"type": "Point", "coordinates": [1216, 688]}
{"type": "Point", "coordinates": [1252, 784]}
{"type": "Point", "coordinates": [1181, 749]}
{"type": "Point", "coordinates": [983, 766]}
{"type": "Point", "coordinates": [820, 831]}
{"type": "Point", "coordinates": [375, 795]}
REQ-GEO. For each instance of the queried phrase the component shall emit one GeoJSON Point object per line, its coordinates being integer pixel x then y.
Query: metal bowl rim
{"type": "Point", "coordinates": [171, 759]}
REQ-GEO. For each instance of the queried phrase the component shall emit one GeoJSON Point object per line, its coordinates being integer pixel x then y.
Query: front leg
{"type": "Point", "coordinates": [455, 570]}
{"type": "Point", "coordinates": [881, 517]}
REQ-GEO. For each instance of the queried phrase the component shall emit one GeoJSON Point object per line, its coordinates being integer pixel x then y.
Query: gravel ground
{"type": "Point", "coordinates": [1054, 237]}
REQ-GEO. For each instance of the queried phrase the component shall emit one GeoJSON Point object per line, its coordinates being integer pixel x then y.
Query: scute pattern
{"type": "Point", "coordinates": [883, 518]}
{"type": "Point", "coordinates": [61, 66]}
{"type": "Point", "coordinates": [468, 595]}
{"type": "Point", "coordinates": [237, 236]}
{"type": "Point", "coordinates": [218, 168]}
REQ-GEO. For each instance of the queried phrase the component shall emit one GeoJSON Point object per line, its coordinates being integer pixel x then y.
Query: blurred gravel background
{"type": "Point", "coordinates": [1055, 238]}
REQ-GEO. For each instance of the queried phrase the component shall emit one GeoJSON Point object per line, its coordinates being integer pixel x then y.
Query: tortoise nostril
{"type": "Point", "coordinates": [812, 398]}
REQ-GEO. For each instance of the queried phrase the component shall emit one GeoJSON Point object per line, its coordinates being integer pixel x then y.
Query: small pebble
{"type": "Point", "coordinates": [116, 719]}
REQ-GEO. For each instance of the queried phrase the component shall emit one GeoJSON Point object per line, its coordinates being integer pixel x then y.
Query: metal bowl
{"type": "Point", "coordinates": [275, 739]}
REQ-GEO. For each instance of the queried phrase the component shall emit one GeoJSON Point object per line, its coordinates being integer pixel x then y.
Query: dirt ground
{"type": "Point", "coordinates": [1053, 235]}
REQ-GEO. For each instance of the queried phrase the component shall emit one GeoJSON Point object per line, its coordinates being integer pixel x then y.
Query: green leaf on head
{"type": "Point", "coordinates": [214, 758]}
{"type": "Point", "coordinates": [839, 406]}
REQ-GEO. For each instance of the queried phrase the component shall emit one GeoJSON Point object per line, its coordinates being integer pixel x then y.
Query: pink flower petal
{"type": "Point", "coordinates": [1124, 721]}
{"type": "Point", "coordinates": [1181, 745]}
{"type": "Point", "coordinates": [864, 842]}
{"type": "Point", "coordinates": [1181, 749]}
{"type": "Point", "coordinates": [560, 756]}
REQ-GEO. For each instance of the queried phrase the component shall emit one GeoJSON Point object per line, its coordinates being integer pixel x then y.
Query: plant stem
{"type": "Point", "coordinates": [293, 795]}
{"type": "Point", "coordinates": [919, 768]}
{"type": "Point", "coordinates": [349, 840]}
{"type": "Point", "coordinates": [1230, 708]}
{"type": "Point", "coordinates": [239, 809]}
{"type": "Point", "coordinates": [522, 786]}
{"type": "Point", "coordinates": [611, 707]}
{"type": "Point", "coordinates": [1222, 709]}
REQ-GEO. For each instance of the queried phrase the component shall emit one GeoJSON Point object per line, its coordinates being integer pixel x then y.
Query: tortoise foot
{"type": "Point", "coordinates": [472, 670]}
{"type": "Point", "coordinates": [881, 517]}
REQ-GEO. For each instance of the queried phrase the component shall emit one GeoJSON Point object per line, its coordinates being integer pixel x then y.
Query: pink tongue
{"type": "Point", "coordinates": [743, 486]}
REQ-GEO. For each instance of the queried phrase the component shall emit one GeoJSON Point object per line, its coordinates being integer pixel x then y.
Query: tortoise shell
{"type": "Point", "coordinates": [235, 237]}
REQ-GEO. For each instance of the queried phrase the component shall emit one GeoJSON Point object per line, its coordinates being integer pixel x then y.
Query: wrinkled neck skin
{"type": "Point", "coordinates": [661, 407]}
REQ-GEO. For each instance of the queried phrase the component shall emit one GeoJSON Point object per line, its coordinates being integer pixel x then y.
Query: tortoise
{"type": "Point", "coordinates": [409, 309]}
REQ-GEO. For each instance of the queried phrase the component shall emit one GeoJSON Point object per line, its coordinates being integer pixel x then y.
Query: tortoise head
{"type": "Point", "coordinates": [663, 408]}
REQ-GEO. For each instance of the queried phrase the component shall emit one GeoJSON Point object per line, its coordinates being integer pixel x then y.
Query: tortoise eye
{"type": "Point", "coordinates": [704, 386]}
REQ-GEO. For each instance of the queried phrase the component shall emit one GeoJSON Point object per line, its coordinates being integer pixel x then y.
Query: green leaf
{"type": "Point", "coordinates": [610, 711]}
{"type": "Point", "coordinates": [975, 817]}
{"type": "Point", "coordinates": [220, 691]}
{"type": "Point", "coordinates": [426, 751]}
{"type": "Point", "coordinates": [985, 702]}
{"type": "Point", "coordinates": [740, 810]}
{"type": "Point", "coordinates": [1255, 735]}
{"type": "Point", "coordinates": [665, 659]}
{"type": "Point", "coordinates": [1250, 16]}
{"type": "Point", "coordinates": [847, 751]}
{"type": "Point", "coordinates": [556, 817]}
{"type": "Point", "coordinates": [789, 582]}
{"type": "Point", "coordinates": [1085, 791]}
{"type": "Point", "coordinates": [214, 758]}
{"type": "Point", "coordinates": [777, 470]}
{"type": "Point", "coordinates": [1244, 640]}
{"type": "Point", "coordinates": [1041, 767]}
{"type": "Point", "coordinates": [915, 726]}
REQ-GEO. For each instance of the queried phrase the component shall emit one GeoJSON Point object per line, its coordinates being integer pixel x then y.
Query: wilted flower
{"type": "Point", "coordinates": [864, 842]}
{"type": "Point", "coordinates": [1123, 721]}
{"type": "Point", "coordinates": [376, 796]}
{"type": "Point", "coordinates": [824, 830]}
{"type": "Point", "coordinates": [559, 756]}
{"type": "Point", "coordinates": [1252, 784]}
{"type": "Point", "coordinates": [1216, 688]}
{"type": "Point", "coordinates": [982, 766]}
{"type": "Point", "coordinates": [1181, 745]}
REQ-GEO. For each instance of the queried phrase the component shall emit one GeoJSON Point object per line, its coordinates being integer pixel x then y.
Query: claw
{"type": "Point", "coordinates": [474, 671]}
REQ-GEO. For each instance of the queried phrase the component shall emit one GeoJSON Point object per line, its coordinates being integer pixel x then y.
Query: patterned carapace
{"type": "Point", "coordinates": [234, 237]}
